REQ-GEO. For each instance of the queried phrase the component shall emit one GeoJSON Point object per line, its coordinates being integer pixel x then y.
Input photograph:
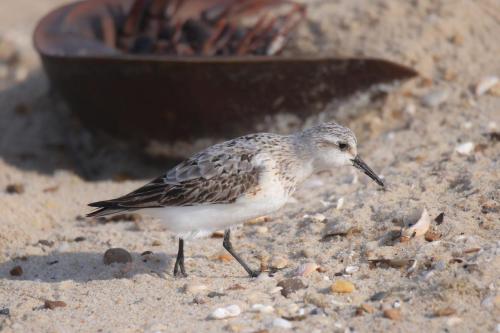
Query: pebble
{"type": "Point", "coordinates": [439, 219]}
{"type": "Point", "coordinates": [116, 255]}
{"type": "Point", "coordinates": [432, 235]}
{"type": "Point", "coordinates": [342, 286]}
{"type": "Point", "coordinates": [218, 234]}
{"type": "Point", "coordinates": [16, 271]}
{"type": "Point", "coordinates": [278, 262]}
{"type": "Point", "coordinates": [364, 308]}
{"type": "Point", "coordinates": [306, 269]}
{"type": "Point", "coordinates": [465, 148]}
{"type": "Point", "coordinates": [262, 230]}
{"type": "Point", "coordinates": [379, 296]}
{"type": "Point", "coordinates": [15, 188]}
{"type": "Point", "coordinates": [213, 294]}
{"type": "Point", "coordinates": [485, 84]}
{"type": "Point", "coordinates": [392, 314]}
{"type": "Point", "coordinates": [261, 308]}
{"type": "Point", "coordinates": [53, 304]}
{"type": "Point", "coordinates": [5, 311]}
{"type": "Point", "coordinates": [194, 288]}
{"type": "Point", "coordinates": [289, 286]}
{"type": "Point", "coordinates": [79, 239]}
{"type": "Point", "coordinates": [435, 98]}
{"type": "Point", "coordinates": [282, 323]}
{"type": "Point", "coordinates": [227, 312]}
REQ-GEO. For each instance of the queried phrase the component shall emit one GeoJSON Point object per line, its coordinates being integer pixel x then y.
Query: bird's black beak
{"type": "Point", "coordinates": [360, 164]}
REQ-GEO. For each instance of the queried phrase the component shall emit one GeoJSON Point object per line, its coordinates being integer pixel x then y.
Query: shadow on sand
{"type": "Point", "coordinates": [39, 133]}
{"type": "Point", "coordinates": [83, 267]}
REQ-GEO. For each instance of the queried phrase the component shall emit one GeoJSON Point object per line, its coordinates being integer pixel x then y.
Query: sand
{"type": "Point", "coordinates": [413, 134]}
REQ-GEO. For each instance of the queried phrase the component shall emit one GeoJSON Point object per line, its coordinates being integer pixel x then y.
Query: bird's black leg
{"type": "Point", "coordinates": [229, 247]}
{"type": "Point", "coordinates": [179, 262]}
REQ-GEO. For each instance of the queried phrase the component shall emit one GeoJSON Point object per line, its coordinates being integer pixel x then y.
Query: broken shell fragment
{"type": "Point", "coordinates": [306, 269]}
{"type": "Point", "coordinates": [444, 312]}
{"type": "Point", "coordinates": [465, 148]}
{"type": "Point", "coordinates": [485, 84]}
{"type": "Point", "coordinates": [417, 229]}
{"type": "Point", "coordinates": [259, 220]}
{"type": "Point", "coordinates": [227, 312]}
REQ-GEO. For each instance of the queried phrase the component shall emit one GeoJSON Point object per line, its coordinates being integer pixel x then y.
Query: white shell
{"type": "Point", "coordinates": [262, 308]}
{"type": "Point", "coordinates": [227, 312]}
{"type": "Point", "coordinates": [282, 323]}
{"type": "Point", "coordinates": [465, 148]}
{"type": "Point", "coordinates": [419, 228]}
{"type": "Point", "coordinates": [351, 269]}
{"type": "Point", "coordinates": [486, 84]}
{"type": "Point", "coordinates": [306, 269]}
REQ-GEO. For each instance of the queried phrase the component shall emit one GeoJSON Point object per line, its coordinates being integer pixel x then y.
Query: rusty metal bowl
{"type": "Point", "coordinates": [145, 97]}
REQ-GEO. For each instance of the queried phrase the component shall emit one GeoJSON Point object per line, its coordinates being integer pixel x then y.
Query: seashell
{"type": "Point", "coordinates": [417, 229]}
{"type": "Point", "coordinates": [465, 148]}
{"type": "Point", "coordinates": [351, 269]}
{"type": "Point", "coordinates": [306, 269]}
{"type": "Point", "coordinates": [261, 308]}
{"type": "Point", "coordinates": [485, 84]}
{"type": "Point", "coordinates": [227, 312]}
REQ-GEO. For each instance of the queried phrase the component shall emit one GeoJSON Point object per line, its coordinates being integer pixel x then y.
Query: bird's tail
{"type": "Point", "coordinates": [106, 208]}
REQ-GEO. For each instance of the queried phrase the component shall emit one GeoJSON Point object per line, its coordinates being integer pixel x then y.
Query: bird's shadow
{"type": "Point", "coordinates": [82, 267]}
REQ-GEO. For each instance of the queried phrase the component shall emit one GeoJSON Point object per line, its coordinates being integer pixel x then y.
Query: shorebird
{"type": "Point", "coordinates": [238, 180]}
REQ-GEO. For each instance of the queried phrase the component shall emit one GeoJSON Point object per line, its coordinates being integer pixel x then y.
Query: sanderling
{"type": "Point", "coordinates": [238, 180]}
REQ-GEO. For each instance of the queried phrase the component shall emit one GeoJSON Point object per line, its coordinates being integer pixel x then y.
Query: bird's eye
{"type": "Point", "coordinates": [343, 146]}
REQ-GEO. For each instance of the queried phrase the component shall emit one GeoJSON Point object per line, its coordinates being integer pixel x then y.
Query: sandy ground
{"type": "Point", "coordinates": [410, 134]}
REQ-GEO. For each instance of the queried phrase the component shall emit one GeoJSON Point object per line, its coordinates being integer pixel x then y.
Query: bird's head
{"type": "Point", "coordinates": [332, 145]}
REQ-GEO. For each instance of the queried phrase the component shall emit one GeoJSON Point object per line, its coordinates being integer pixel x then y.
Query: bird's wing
{"type": "Point", "coordinates": [218, 175]}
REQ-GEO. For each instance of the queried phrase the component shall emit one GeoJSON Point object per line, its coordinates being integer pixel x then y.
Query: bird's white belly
{"type": "Point", "coordinates": [192, 221]}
